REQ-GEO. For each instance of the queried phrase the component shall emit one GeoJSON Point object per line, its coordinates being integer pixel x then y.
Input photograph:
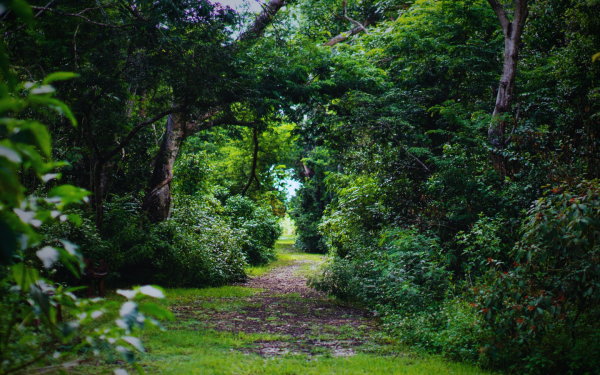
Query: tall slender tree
{"type": "Point", "coordinates": [506, 89]}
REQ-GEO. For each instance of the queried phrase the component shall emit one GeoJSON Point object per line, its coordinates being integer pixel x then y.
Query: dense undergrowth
{"type": "Point", "coordinates": [461, 207]}
{"type": "Point", "coordinates": [532, 308]}
{"type": "Point", "coordinates": [204, 243]}
{"type": "Point", "coordinates": [490, 264]}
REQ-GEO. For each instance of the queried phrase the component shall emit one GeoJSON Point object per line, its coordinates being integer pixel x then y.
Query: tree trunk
{"type": "Point", "coordinates": [98, 176]}
{"type": "Point", "coordinates": [102, 158]}
{"type": "Point", "coordinates": [254, 161]}
{"type": "Point", "coordinates": [158, 201]}
{"type": "Point", "coordinates": [512, 38]}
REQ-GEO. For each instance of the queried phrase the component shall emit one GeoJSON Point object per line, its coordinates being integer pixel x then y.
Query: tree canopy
{"type": "Point", "coordinates": [446, 150]}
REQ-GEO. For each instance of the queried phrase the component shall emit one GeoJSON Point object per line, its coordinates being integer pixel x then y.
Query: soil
{"type": "Point", "coordinates": [298, 319]}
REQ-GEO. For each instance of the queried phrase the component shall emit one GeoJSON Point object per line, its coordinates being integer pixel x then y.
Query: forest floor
{"type": "Point", "coordinates": [276, 324]}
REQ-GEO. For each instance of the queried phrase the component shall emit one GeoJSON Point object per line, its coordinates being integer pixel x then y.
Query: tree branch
{"type": "Point", "coordinates": [345, 17]}
{"type": "Point", "coordinates": [136, 129]}
{"type": "Point", "coordinates": [254, 161]}
{"type": "Point", "coordinates": [133, 11]}
{"type": "Point", "coordinates": [82, 17]}
{"type": "Point", "coordinates": [262, 20]}
{"type": "Point", "coordinates": [521, 13]}
{"type": "Point", "coordinates": [500, 13]}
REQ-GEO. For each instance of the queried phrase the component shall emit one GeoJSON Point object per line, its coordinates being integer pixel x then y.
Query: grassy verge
{"type": "Point", "coordinates": [191, 345]}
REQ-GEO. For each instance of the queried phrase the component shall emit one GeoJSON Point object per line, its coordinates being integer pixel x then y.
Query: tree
{"type": "Point", "coordinates": [132, 61]}
{"type": "Point", "coordinates": [512, 38]}
{"type": "Point", "coordinates": [158, 200]}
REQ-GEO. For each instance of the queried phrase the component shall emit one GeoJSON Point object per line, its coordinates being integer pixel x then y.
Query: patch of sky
{"type": "Point", "coordinates": [254, 6]}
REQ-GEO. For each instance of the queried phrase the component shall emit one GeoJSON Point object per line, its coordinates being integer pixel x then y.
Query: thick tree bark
{"type": "Point", "coordinates": [103, 158]}
{"type": "Point", "coordinates": [263, 20]}
{"type": "Point", "coordinates": [254, 161]}
{"type": "Point", "coordinates": [158, 201]}
{"type": "Point", "coordinates": [512, 38]}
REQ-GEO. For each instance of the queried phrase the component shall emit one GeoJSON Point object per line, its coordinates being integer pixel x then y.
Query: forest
{"type": "Point", "coordinates": [446, 157]}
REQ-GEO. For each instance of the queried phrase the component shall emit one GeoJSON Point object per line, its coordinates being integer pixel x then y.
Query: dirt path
{"type": "Point", "coordinates": [297, 319]}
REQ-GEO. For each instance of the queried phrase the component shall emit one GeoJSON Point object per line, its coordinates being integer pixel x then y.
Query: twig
{"type": "Point", "coordinates": [133, 11]}
{"type": "Point", "coordinates": [345, 16]}
{"type": "Point", "coordinates": [516, 120]}
{"type": "Point", "coordinates": [136, 129]}
{"type": "Point", "coordinates": [25, 69]}
{"type": "Point", "coordinates": [75, 46]}
{"type": "Point", "coordinates": [82, 17]}
{"type": "Point", "coordinates": [406, 150]}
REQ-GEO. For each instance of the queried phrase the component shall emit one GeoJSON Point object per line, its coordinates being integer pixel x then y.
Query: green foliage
{"type": "Point", "coordinates": [482, 242]}
{"type": "Point", "coordinates": [403, 274]}
{"type": "Point", "coordinates": [412, 152]}
{"type": "Point", "coordinates": [453, 328]}
{"type": "Point", "coordinates": [191, 174]}
{"type": "Point", "coordinates": [545, 304]}
{"type": "Point", "coordinates": [260, 227]}
{"type": "Point", "coordinates": [195, 247]}
{"type": "Point", "coordinates": [32, 305]}
{"type": "Point", "coordinates": [310, 201]}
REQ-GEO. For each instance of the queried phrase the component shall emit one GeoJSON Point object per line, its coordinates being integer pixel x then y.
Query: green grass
{"type": "Point", "coordinates": [197, 352]}
{"type": "Point", "coordinates": [210, 352]}
{"type": "Point", "coordinates": [186, 349]}
{"type": "Point", "coordinates": [286, 254]}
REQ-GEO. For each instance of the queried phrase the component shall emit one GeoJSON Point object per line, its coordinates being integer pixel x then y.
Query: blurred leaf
{"type": "Point", "coordinates": [68, 194]}
{"type": "Point", "coordinates": [75, 219]}
{"type": "Point", "coordinates": [35, 134]}
{"type": "Point", "coordinates": [156, 311]}
{"type": "Point", "coordinates": [47, 89]}
{"type": "Point", "coordinates": [134, 341]}
{"type": "Point", "coordinates": [22, 10]}
{"type": "Point", "coordinates": [48, 255]}
{"type": "Point", "coordinates": [152, 291]}
{"type": "Point", "coordinates": [68, 260]}
{"type": "Point", "coordinates": [58, 106]}
{"type": "Point", "coordinates": [126, 353]}
{"type": "Point", "coordinates": [41, 299]}
{"type": "Point", "coordinates": [129, 294]}
{"type": "Point", "coordinates": [10, 154]}
{"type": "Point", "coordinates": [59, 76]}
{"type": "Point", "coordinates": [24, 276]}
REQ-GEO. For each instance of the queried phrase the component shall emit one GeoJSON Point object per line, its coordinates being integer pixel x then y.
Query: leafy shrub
{"type": "Point", "coordinates": [402, 274]}
{"type": "Point", "coordinates": [355, 215]}
{"type": "Point", "coordinates": [195, 247]}
{"type": "Point", "coordinates": [260, 227]}
{"type": "Point", "coordinates": [482, 242]}
{"type": "Point", "coordinates": [543, 309]}
{"type": "Point", "coordinates": [452, 329]}
{"type": "Point", "coordinates": [32, 306]}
